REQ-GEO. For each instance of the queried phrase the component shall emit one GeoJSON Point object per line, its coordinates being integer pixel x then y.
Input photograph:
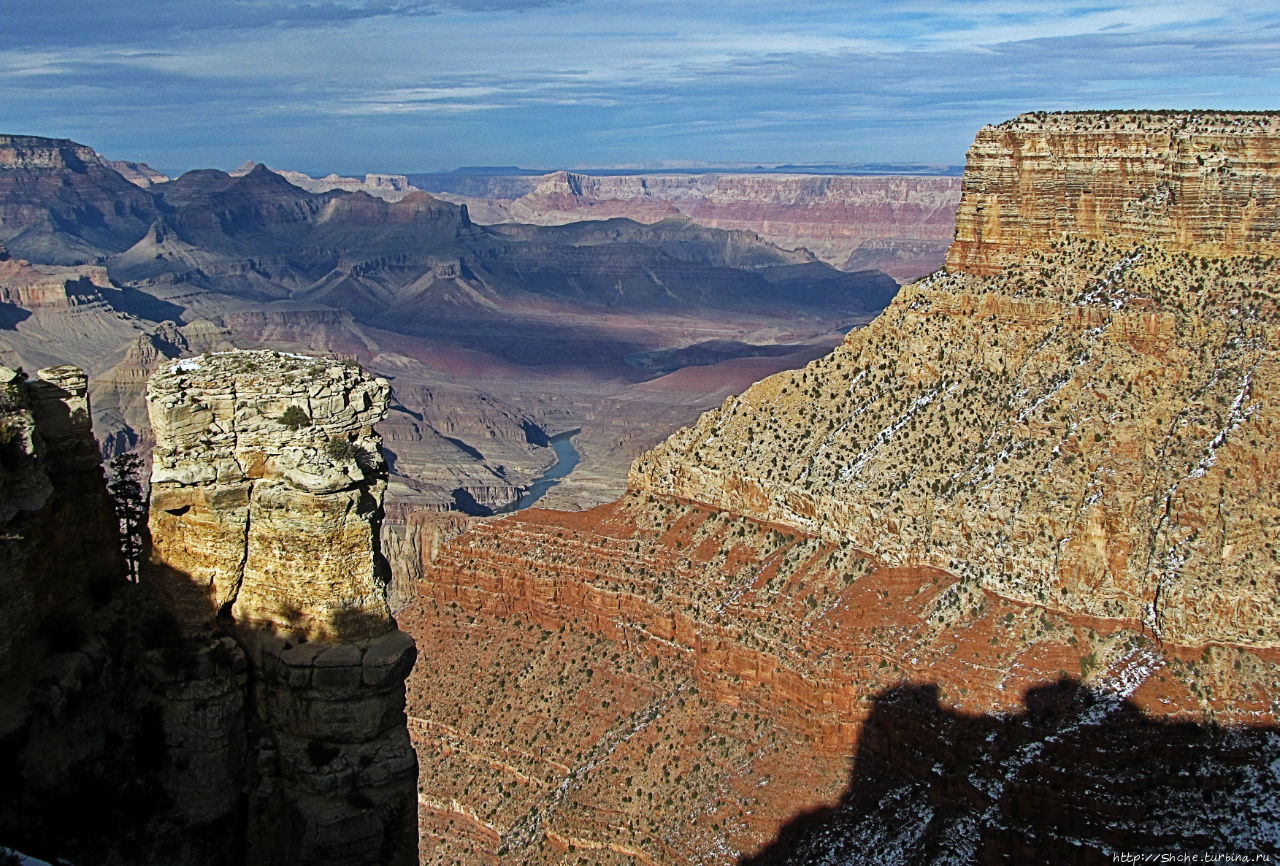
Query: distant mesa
{"type": "Point", "coordinates": [900, 224]}
{"type": "Point", "coordinates": [138, 173]}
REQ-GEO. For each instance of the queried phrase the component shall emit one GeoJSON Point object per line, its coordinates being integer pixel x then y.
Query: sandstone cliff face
{"type": "Point", "coordinates": [39, 287]}
{"type": "Point", "coordinates": [272, 526]}
{"type": "Point", "coordinates": [1202, 182]}
{"type": "Point", "coordinates": [279, 521]}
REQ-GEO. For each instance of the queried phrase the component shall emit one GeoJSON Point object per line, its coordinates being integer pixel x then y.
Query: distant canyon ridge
{"type": "Point", "coordinates": [900, 224]}
{"type": "Point", "coordinates": [618, 306]}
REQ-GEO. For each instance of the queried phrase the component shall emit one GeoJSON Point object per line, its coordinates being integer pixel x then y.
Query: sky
{"type": "Point", "coordinates": [407, 86]}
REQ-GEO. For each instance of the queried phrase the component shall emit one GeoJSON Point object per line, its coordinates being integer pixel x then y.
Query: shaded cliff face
{"type": "Point", "coordinates": [59, 536]}
{"type": "Point", "coordinates": [248, 709]}
{"type": "Point", "coordinates": [61, 204]}
{"type": "Point", "coordinates": [977, 583]}
{"type": "Point", "coordinates": [1201, 182]}
{"type": "Point", "coordinates": [117, 745]}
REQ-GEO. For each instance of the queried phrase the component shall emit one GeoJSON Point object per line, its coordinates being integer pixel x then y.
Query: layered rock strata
{"type": "Point", "coordinates": [266, 504]}
{"type": "Point", "coordinates": [60, 203]}
{"type": "Point", "coordinates": [898, 224]}
{"type": "Point", "coordinates": [38, 287]}
{"type": "Point", "coordinates": [266, 493]}
{"type": "Point", "coordinates": [1203, 182]}
{"type": "Point", "coordinates": [663, 682]}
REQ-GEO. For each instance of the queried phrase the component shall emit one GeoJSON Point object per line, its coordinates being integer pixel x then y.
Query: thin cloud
{"type": "Point", "coordinates": [384, 85]}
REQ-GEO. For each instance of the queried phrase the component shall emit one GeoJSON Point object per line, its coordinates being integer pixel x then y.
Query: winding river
{"type": "Point", "coordinates": [566, 459]}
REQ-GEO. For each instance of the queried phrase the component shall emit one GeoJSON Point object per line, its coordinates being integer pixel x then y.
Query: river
{"type": "Point", "coordinates": [566, 459]}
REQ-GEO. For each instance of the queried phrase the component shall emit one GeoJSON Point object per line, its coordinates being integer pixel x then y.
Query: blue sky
{"type": "Point", "coordinates": [401, 85]}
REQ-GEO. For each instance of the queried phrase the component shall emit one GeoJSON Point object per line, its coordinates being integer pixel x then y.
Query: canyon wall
{"type": "Point", "coordinates": [898, 224]}
{"type": "Point", "coordinates": [1091, 428]}
{"type": "Point", "coordinates": [994, 581]}
{"type": "Point", "coordinates": [44, 219]}
{"type": "Point", "coordinates": [50, 482]}
{"type": "Point", "coordinates": [664, 682]}
{"type": "Point", "coordinates": [243, 700]}
{"type": "Point", "coordinates": [1201, 182]}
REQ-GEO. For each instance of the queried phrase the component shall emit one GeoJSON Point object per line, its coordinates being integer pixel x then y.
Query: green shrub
{"type": "Point", "coordinates": [295, 418]}
{"type": "Point", "coordinates": [340, 449]}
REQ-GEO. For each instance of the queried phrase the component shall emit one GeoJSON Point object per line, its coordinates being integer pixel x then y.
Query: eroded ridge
{"type": "Point", "coordinates": [1093, 429]}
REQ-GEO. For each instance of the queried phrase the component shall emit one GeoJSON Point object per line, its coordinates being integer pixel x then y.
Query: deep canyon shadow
{"type": "Point", "coordinates": [143, 744]}
{"type": "Point", "coordinates": [1075, 775]}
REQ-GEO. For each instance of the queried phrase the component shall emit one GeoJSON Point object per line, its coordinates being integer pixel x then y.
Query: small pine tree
{"type": "Point", "coordinates": [131, 508]}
